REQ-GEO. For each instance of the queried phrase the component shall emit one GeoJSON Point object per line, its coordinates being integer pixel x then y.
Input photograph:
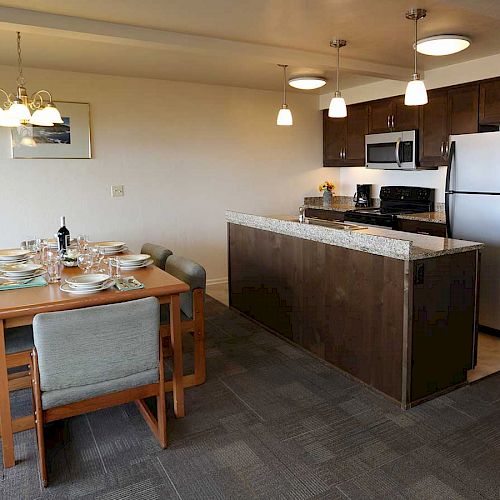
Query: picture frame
{"type": "Point", "coordinates": [69, 140]}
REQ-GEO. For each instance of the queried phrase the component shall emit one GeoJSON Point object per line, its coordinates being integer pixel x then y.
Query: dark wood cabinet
{"type": "Point", "coordinates": [433, 129]}
{"type": "Point", "coordinates": [463, 109]}
{"type": "Point", "coordinates": [421, 227]}
{"type": "Point", "coordinates": [489, 102]}
{"type": "Point", "coordinates": [325, 214]}
{"type": "Point", "coordinates": [392, 115]}
{"type": "Point", "coordinates": [334, 140]}
{"type": "Point", "coordinates": [344, 138]}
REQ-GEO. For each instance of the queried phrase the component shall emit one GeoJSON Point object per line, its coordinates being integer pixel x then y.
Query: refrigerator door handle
{"type": "Point", "coordinates": [447, 191]}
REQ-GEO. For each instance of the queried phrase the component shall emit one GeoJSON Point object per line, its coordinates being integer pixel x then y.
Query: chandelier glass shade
{"type": "Point", "coordinates": [21, 109]}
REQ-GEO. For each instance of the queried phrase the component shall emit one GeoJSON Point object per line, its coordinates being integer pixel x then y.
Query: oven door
{"type": "Point", "coordinates": [391, 151]}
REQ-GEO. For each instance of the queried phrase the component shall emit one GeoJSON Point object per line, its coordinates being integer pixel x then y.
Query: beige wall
{"type": "Point", "coordinates": [478, 69]}
{"type": "Point", "coordinates": [184, 152]}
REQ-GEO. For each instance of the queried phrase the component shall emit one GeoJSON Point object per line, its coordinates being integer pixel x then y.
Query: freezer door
{"type": "Point", "coordinates": [477, 218]}
{"type": "Point", "coordinates": [476, 165]}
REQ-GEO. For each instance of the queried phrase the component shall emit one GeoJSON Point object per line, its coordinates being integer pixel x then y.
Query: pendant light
{"type": "Point", "coordinates": [337, 107]}
{"type": "Point", "coordinates": [17, 108]}
{"type": "Point", "coordinates": [416, 93]}
{"type": "Point", "coordinates": [284, 115]}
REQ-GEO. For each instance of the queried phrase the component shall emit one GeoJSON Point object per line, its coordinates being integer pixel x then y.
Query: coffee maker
{"type": "Point", "coordinates": [362, 196]}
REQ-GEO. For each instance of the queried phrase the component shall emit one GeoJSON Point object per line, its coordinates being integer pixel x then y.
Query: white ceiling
{"type": "Point", "coordinates": [246, 39]}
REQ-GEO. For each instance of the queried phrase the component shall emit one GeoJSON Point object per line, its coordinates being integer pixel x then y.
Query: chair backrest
{"type": "Point", "coordinates": [192, 274]}
{"type": "Point", "coordinates": [158, 253]}
{"type": "Point", "coordinates": [96, 344]}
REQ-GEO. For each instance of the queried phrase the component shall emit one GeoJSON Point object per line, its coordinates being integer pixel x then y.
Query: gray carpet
{"type": "Point", "coordinates": [271, 422]}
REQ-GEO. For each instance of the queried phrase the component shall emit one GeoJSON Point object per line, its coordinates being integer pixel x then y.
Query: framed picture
{"type": "Point", "coordinates": [70, 139]}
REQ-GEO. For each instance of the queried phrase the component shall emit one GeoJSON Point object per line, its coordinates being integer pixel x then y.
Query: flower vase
{"type": "Point", "coordinates": [327, 198]}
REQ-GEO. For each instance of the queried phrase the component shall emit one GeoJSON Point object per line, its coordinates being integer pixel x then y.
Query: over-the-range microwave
{"type": "Point", "coordinates": [392, 150]}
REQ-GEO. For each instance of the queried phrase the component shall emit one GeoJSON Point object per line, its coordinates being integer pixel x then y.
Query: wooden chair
{"type": "Point", "coordinates": [158, 253]}
{"type": "Point", "coordinates": [97, 357]}
{"type": "Point", "coordinates": [192, 314]}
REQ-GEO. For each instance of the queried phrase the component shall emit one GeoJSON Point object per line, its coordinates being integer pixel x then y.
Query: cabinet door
{"type": "Point", "coordinates": [433, 130]}
{"type": "Point", "coordinates": [334, 140]}
{"type": "Point", "coordinates": [489, 102]}
{"type": "Point", "coordinates": [405, 117]}
{"type": "Point", "coordinates": [380, 113]}
{"type": "Point", "coordinates": [463, 109]}
{"type": "Point", "coordinates": [357, 128]}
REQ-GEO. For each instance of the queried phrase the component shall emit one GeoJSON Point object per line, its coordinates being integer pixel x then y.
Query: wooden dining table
{"type": "Point", "coordinates": [18, 307]}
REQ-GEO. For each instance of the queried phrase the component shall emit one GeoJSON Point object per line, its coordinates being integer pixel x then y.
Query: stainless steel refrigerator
{"type": "Point", "coordinates": [473, 210]}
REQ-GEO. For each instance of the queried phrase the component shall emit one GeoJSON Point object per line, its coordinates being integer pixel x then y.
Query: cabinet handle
{"type": "Point", "coordinates": [392, 121]}
{"type": "Point", "coordinates": [345, 153]}
{"type": "Point", "coordinates": [446, 148]}
{"type": "Point", "coordinates": [442, 148]}
{"type": "Point", "coordinates": [388, 121]}
{"type": "Point", "coordinates": [340, 153]}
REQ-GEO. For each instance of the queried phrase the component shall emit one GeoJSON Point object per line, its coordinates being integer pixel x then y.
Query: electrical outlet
{"type": "Point", "coordinates": [117, 191]}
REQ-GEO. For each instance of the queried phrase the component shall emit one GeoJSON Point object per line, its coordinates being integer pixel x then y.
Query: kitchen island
{"type": "Point", "coordinates": [397, 311]}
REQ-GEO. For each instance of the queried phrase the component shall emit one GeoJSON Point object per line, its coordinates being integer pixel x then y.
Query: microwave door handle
{"type": "Point", "coordinates": [398, 161]}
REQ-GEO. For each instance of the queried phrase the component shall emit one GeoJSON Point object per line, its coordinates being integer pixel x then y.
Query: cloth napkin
{"type": "Point", "coordinates": [126, 284]}
{"type": "Point", "coordinates": [38, 281]}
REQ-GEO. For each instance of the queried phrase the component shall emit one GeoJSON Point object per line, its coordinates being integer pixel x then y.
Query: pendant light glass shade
{"type": "Point", "coordinates": [39, 118]}
{"type": "Point", "coordinates": [416, 93]}
{"type": "Point", "coordinates": [7, 120]}
{"type": "Point", "coordinates": [337, 108]}
{"type": "Point", "coordinates": [284, 117]}
{"type": "Point", "coordinates": [52, 113]}
{"type": "Point", "coordinates": [20, 111]}
{"type": "Point", "coordinates": [284, 114]}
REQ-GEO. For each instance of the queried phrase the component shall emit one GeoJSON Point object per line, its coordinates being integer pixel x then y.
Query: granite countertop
{"type": "Point", "coordinates": [378, 241]}
{"type": "Point", "coordinates": [345, 203]}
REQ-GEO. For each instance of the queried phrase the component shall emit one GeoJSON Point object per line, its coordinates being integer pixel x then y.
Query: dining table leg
{"type": "Point", "coordinates": [176, 343]}
{"type": "Point", "coordinates": [5, 415]}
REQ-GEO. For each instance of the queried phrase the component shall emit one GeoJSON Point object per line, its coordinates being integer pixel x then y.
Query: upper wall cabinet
{"type": "Point", "coordinates": [344, 138]}
{"type": "Point", "coordinates": [390, 115]}
{"type": "Point", "coordinates": [451, 110]}
{"type": "Point", "coordinates": [489, 102]}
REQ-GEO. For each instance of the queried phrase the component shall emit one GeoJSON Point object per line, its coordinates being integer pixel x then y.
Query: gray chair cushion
{"type": "Point", "coordinates": [158, 253]}
{"type": "Point", "coordinates": [18, 339]}
{"type": "Point", "coordinates": [192, 274]}
{"type": "Point", "coordinates": [96, 345]}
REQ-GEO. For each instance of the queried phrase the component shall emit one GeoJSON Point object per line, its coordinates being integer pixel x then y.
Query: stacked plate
{"type": "Point", "coordinates": [131, 262]}
{"type": "Point", "coordinates": [13, 255]}
{"type": "Point", "coordinates": [87, 283]}
{"type": "Point", "coordinates": [20, 271]}
{"type": "Point", "coordinates": [111, 247]}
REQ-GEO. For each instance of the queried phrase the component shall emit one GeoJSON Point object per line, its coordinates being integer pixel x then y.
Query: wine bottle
{"type": "Point", "coordinates": [63, 237]}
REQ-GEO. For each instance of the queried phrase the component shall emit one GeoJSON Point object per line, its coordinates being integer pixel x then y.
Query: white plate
{"type": "Point", "coordinates": [87, 279]}
{"type": "Point", "coordinates": [19, 268]}
{"type": "Point", "coordinates": [125, 267]}
{"type": "Point", "coordinates": [41, 272]}
{"type": "Point", "coordinates": [108, 245]}
{"type": "Point", "coordinates": [13, 254]}
{"type": "Point", "coordinates": [134, 259]}
{"type": "Point", "coordinates": [107, 284]}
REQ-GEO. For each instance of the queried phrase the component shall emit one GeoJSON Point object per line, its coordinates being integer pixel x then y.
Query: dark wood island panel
{"type": "Point", "coordinates": [380, 319]}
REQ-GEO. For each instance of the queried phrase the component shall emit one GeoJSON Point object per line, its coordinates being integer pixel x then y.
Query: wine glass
{"type": "Point", "coordinates": [82, 241]}
{"type": "Point", "coordinates": [85, 261]}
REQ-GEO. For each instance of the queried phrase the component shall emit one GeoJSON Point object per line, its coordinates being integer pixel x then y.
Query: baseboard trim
{"type": "Point", "coordinates": [217, 281]}
{"type": "Point", "coordinates": [489, 330]}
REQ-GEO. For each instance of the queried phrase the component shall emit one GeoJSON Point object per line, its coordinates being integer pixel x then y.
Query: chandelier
{"type": "Point", "coordinates": [16, 109]}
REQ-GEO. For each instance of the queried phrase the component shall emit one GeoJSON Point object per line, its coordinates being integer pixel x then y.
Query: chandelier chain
{"type": "Point", "coordinates": [20, 77]}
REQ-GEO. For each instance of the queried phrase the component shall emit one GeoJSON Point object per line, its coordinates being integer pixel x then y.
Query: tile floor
{"type": "Point", "coordinates": [271, 422]}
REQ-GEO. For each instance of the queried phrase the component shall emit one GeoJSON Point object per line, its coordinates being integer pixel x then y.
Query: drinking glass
{"type": "Point", "coordinates": [82, 241]}
{"type": "Point", "coordinates": [54, 267]}
{"type": "Point", "coordinates": [85, 261]}
{"type": "Point", "coordinates": [114, 267]}
{"type": "Point", "coordinates": [42, 247]}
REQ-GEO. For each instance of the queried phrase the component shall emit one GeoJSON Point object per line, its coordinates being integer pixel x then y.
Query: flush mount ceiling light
{"type": "Point", "coordinates": [416, 93]}
{"type": "Point", "coordinates": [442, 45]}
{"type": "Point", "coordinates": [307, 82]}
{"type": "Point", "coordinates": [337, 107]}
{"type": "Point", "coordinates": [17, 108]}
{"type": "Point", "coordinates": [284, 115]}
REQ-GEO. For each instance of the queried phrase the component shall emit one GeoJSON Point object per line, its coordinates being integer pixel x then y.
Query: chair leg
{"type": "Point", "coordinates": [200, 371]}
{"type": "Point", "coordinates": [37, 399]}
{"type": "Point", "coordinates": [161, 408]}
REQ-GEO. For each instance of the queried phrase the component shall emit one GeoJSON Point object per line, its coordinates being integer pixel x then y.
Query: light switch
{"type": "Point", "coordinates": [117, 191]}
